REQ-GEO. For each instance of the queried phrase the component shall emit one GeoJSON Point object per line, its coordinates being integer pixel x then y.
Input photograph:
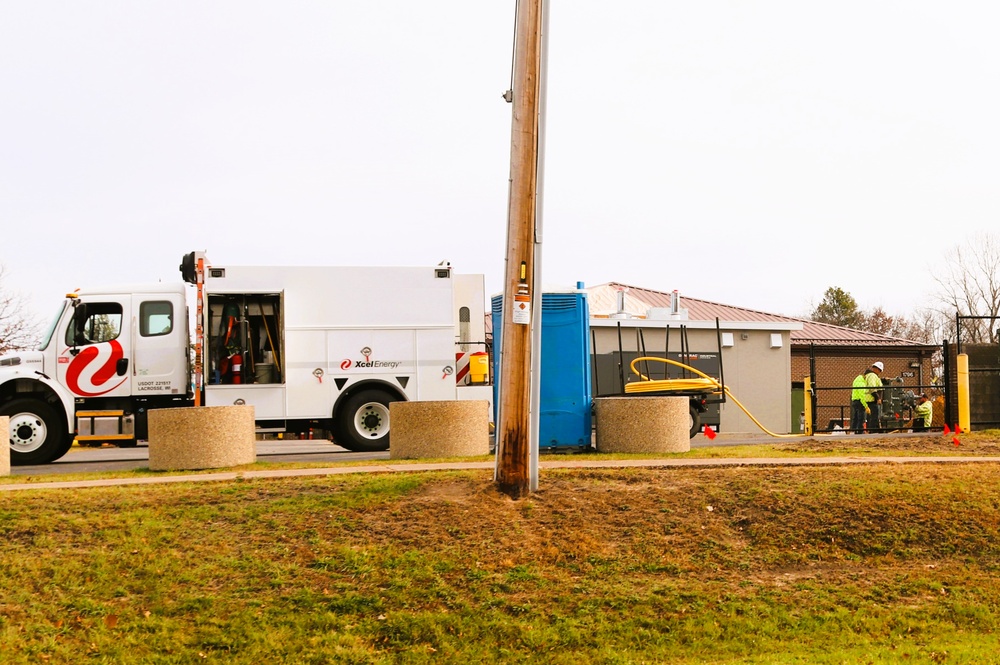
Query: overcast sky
{"type": "Point", "coordinates": [752, 153]}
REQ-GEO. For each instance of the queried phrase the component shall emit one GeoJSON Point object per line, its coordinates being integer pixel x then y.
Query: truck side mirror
{"type": "Point", "coordinates": [122, 366]}
{"type": "Point", "coordinates": [77, 325]}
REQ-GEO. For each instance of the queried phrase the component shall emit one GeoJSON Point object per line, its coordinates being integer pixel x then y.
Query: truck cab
{"type": "Point", "coordinates": [106, 358]}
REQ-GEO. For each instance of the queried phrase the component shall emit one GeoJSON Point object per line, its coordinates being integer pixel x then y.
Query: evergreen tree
{"type": "Point", "coordinates": [839, 308]}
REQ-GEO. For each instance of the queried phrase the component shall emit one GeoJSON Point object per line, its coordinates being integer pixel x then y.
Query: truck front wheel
{"type": "Point", "coordinates": [362, 425]}
{"type": "Point", "coordinates": [37, 433]}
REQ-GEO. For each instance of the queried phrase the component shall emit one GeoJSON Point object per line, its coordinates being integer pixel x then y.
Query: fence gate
{"type": "Point", "coordinates": [984, 377]}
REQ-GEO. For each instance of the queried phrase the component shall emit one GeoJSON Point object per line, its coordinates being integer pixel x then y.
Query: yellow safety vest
{"type": "Point", "coordinates": [925, 411]}
{"type": "Point", "coordinates": [860, 392]}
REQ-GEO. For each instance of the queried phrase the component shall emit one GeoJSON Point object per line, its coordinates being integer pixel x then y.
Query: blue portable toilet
{"type": "Point", "coordinates": [565, 394]}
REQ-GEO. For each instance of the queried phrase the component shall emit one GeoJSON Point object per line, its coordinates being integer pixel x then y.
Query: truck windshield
{"type": "Point", "coordinates": [52, 328]}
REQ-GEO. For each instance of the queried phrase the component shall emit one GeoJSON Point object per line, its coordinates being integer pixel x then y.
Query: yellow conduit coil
{"type": "Point", "coordinates": [705, 384]}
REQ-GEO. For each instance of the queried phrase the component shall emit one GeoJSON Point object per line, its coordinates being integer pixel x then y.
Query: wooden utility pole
{"type": "Point", "coordinates": [513, 430]}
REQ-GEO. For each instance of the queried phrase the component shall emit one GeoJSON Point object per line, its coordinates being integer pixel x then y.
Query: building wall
{"type": "Point", "coordinates": [755, 373]}
{"type": "Point", "coordinates": [760, 382]}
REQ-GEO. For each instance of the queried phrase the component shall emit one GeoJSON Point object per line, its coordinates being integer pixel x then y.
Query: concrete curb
{"type": "Point", "coordinates": [462, 466]}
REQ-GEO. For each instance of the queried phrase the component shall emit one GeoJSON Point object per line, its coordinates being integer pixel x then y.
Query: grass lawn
{"type": "Point", "coordinates": [856, 564]}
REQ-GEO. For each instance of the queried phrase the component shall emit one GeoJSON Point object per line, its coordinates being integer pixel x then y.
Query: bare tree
{"type": "Point", "coordinates": [923, 327]}
{"type": "Point", "coordinates": [969, 285]}
{"type": "Point", "coordinates": [839, 308]}
{"type": "Point", "coordinates": [18, 329]}
{"type": "Point", "coordinates": [932, 323]}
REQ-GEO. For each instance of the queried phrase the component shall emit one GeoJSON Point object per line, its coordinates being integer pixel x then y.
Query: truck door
{"type": "Point", "coordinates": [95, 350]}
{"type": "Point", "coordinates": [160, 355]}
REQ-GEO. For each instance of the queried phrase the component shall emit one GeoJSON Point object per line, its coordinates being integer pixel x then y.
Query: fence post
{"type": "Point", "coordinates": [807, 405]}
{"type": "Point", "coordinates": [963, 392]}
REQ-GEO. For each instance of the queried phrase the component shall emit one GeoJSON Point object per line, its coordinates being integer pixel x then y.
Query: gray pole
{"type": "Point", "coordinates": [536, 315]}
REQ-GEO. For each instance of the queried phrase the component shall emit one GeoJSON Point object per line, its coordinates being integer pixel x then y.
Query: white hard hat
{"type": "Point", "coordinates": [878, 365]}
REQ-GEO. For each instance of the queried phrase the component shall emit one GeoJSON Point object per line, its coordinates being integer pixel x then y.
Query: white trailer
{"type": "Point", "coordinates": [324, 347]}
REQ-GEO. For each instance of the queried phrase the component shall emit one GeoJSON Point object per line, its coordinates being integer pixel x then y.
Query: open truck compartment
{"type": "Point", "coordinates": [244, 342]}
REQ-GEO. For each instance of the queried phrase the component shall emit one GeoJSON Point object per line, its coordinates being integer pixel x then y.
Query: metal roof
{"type": "Point", "coordinates": [603, 301]}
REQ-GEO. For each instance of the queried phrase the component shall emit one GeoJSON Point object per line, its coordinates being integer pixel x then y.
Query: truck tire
{"type": "Point", "coordinates": [695, 420]}
{"type": "Point", "coordinates": [37, 433]}
{"type": "Point", "coordinates": [362, 424]}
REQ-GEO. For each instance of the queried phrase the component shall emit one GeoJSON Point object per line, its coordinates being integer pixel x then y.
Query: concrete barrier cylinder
{"type": "Point", "coordinates": [5, 453]}
{"type": "Point", "coordinates": [205, 437]}
{"type": "Point", "coordinates": [642, 424]}
{"type": "Point", "coordinates": [457, 428]}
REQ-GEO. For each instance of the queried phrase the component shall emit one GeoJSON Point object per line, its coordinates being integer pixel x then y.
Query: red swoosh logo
{"type": "Point", "coordinates": [103, 375]}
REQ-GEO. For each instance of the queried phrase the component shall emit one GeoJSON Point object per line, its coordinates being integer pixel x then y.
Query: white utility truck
{"type": "Point", "coordinates": [323, 347]}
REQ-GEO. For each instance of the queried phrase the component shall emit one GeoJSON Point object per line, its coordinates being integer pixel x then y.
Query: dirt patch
{"type": "Point", "coordinates": [776, 526]}
{"type": "Point", "coordinates": [970, 443]}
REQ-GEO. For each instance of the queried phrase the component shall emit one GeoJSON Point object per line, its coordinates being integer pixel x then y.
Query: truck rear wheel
{"type": "Point", "coordinates": [37, 433]}
{"type": "Point", "coordinates": [363, 423]}
{"type": "Point", "coordinates": [695, 420]}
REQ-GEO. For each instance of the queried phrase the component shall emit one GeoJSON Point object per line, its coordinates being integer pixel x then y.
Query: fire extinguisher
{"type": "Point", "coordinates": [236, 363]}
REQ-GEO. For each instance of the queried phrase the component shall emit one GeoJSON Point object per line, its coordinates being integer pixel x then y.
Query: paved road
{"type": "Point", "coordinates": [83, 460]}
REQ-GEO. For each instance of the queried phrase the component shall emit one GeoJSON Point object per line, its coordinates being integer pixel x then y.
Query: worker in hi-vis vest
{"type": "Point", "coordinates": [923, 413]}
{"type": "Point", "coordinates": [866, 399]}
{"type": "Point", "coordinates": [859, 404]}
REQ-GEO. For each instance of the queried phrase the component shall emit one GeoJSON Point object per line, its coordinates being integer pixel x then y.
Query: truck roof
{"type": "Point", "coordinates": [151, 287]}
